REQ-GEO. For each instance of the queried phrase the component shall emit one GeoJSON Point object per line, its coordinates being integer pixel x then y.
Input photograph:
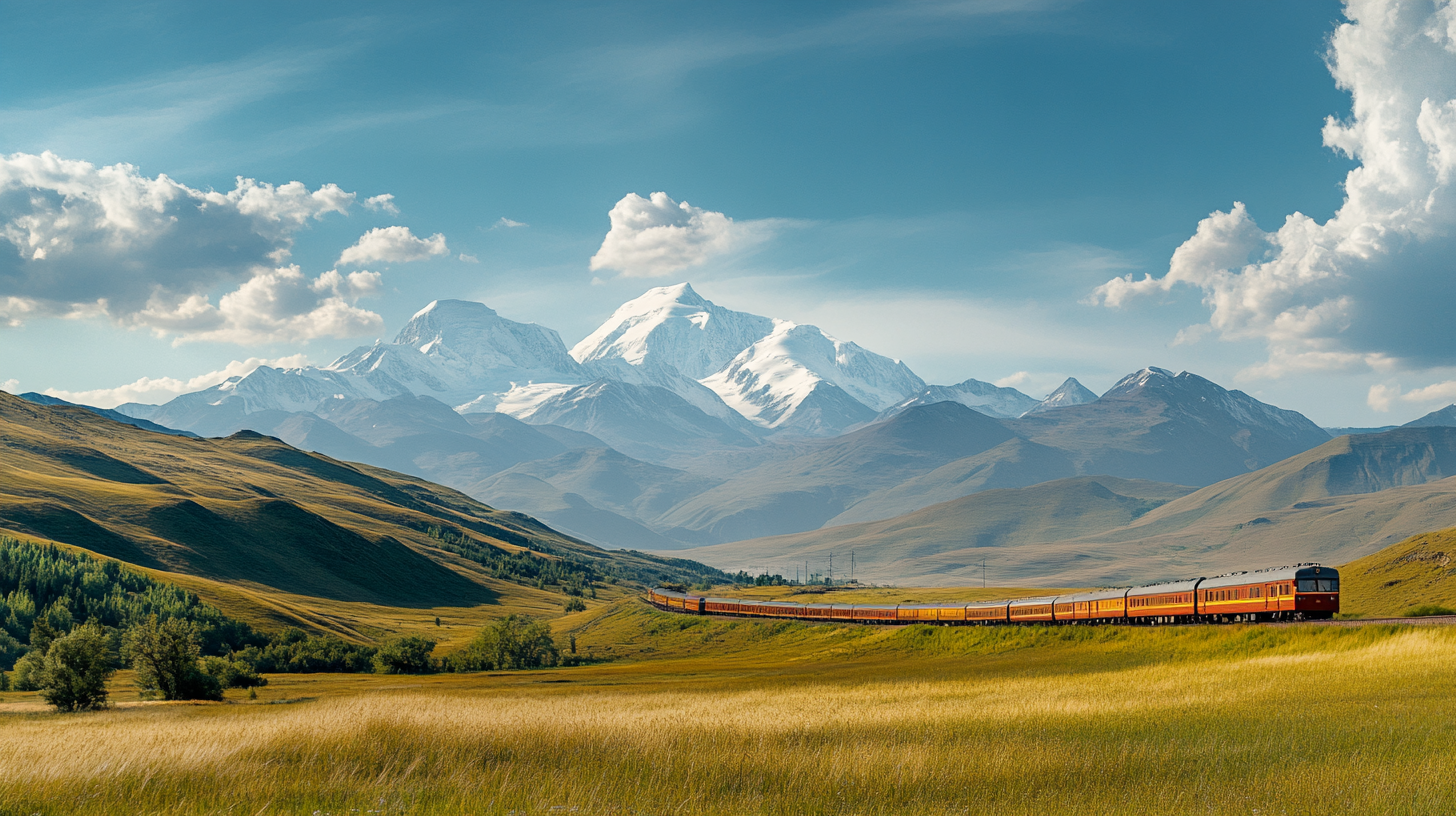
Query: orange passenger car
{"type": "Point", "coordinates": [1032, 610]}
{"type": "Point", "coordinates": [874, 613]}
{"type": "Point", "coordinates": [985, 613]}
{"type": "Point", "coordinates": [1174, 602]}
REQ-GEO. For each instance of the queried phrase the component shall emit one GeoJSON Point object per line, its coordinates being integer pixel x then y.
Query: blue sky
{"type": "Point", "coordinates": [945, 182]}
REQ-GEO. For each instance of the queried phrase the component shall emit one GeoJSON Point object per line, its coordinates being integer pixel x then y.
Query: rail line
{"type": "Point", "coordinates": [1303, 592]}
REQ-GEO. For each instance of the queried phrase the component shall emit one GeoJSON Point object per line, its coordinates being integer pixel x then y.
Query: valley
{"type": "Point", "coordinates": [684, 428]}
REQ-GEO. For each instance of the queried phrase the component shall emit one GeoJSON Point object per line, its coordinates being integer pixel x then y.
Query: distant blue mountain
{"type": "Point", "coordinates": [146, 425]}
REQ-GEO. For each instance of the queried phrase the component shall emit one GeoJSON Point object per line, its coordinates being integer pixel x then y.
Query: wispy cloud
{"type": "Point", "coordinates": [158, 107]}
{"type": "Point", "coordinates": [161, 389]}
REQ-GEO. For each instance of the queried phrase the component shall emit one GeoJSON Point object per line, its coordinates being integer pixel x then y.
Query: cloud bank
{"type": "Point", "coordinates": [656, 236]}
{"type": "Point", "coordinates": [1368, 288]}
{"type": "Point", "coordinates": [162, 389]}
{"type": "Point", "coordinates": [149, 252]}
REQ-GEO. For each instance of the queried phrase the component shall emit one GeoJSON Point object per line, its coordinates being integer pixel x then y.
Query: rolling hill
{"type": "Point", "coordinates": [249, 516]}
{"type": "Point", "coordinates": [1342, 500]}
{"type": "Point", "coordinates": [944, 544]}
{"type": "Point", "coordinates": [1412, 573]}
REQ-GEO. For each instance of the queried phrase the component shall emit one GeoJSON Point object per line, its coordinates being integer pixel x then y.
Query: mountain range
{"type": "Point", "coordinates": [681, 424]}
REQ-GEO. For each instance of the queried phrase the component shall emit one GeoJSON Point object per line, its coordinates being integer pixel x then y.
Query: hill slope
{"type": "Point", "coordinates": [254, 514]}
{"type": "Point", "coordinates": [1411, 573]}
{"type": "Point", "coordinates": [1342, 500]}
{"type": "Point", "coordinates": [944, 544]}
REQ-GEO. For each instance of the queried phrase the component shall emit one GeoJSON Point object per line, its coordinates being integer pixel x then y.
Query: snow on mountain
{"type": "Point", "coordinates": [984, 397]}
{"type": "Point", "coordinates": [463, 354]}
{"type": "Point", "coordinates": [726, 364]}
{"type": "Point", "coordinates": [673, 326]}
{"type": "Point", "coordinates": [642, 421]}
{"type": "Point", "coordinates": [768, 381]}
{"type": "Point", "coordinates": [1070, 392]}
{"type": "Point", "coordinates": [1196, 395]}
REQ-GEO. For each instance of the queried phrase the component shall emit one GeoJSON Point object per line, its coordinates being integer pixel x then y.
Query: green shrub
{"type": "Point", "coordinates": [575, 605]}
{"type": "Point", "coordinates": [10, 650]}
{"type": "Point", "coordinates": [27, 674]}
{"type": "Point", "coordinates": [75, 670]}
{"type": "Point", "coordinates": [294, 650]}
{"type": "Point", "coordinates": [513, 642]}
{"type": "Point", "coordinates": [232, 673]}
{"type": "Point", "coordinates": [1427, 611]}
{"type": "Point", "coordinates": [164, 654]}
{"type": "Point", "coordinates": [405, 655]}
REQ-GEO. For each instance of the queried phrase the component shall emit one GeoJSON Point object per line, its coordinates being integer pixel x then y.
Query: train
{"type": "Point", "coordinates": [1298, 593]}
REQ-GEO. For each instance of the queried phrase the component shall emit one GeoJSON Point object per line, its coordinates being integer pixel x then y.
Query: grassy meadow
{"type": "Point", "coordinates": [711, 716]}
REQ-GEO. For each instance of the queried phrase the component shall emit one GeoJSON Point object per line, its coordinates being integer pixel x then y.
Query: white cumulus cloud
{"type": "Point", "coordinates": [393, 245]}
{"type": "Point", "coordinates": [146, 251]}
{"type": "Point", "coordinates": [1367, 289]}
{"type": "Point", "coordinates": [11, 385]}
{"type": "Point", "coordinates": [382, 203]}
{"type": "Point", "coordinates": [161, 389]}
{"type": "Point", "coordinates": [656, 236]}
{"type": "Point", "coordinates": [274, 306]}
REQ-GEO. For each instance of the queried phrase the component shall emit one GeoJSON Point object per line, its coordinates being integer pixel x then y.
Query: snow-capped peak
{"type": "Point", "coordinates": [672, 326]}
{"type": "Point", "coordinates": [1190, 392]}
{"type": "Point", "coordinates": [770, 379]}
{"type": "Point", "coordinates": [1068, 393]}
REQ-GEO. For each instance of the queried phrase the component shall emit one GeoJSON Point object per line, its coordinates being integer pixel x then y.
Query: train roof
{"type": "Point", "coordinates": [1167, 586]}
{"type": "Point", "coordinates": [1094, 595]}
{"type": "Point", "coordinates": [724, 600]}
{"type": "Point", "coordinates": [932, 606]}
{"type": "Point", "coordinates": [985, 604]}
{"type": "Point", "coordinates": [667, 593]}
{"type": "Point", "coordinates": [1270, 574]}
{"type": "Point", "coordinates": [876, 606]}
{"type": "Point", "coordinates": [1040, 599]}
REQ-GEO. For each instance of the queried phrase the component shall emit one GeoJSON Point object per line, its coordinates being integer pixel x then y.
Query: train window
{"type": "Point", "coordinates": [1329, 584]}
{"type": "Point", "coordinates": [1306, 585]}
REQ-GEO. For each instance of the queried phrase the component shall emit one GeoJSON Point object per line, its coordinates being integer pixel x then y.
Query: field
{"type": "Point", "coordinates": [710, 716]}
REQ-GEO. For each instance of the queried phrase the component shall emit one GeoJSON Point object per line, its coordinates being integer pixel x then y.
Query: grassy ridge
{"type": "Point", "coordinates": [916, 720]}
{"type": "Point", "coordinates": [1417, 571]}
{"type": "Point", "coordinates": [276, 536]}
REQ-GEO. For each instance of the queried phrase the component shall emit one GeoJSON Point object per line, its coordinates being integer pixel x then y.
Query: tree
{"type": "Point", "coordinates": [232, 673]}
{"type": "Point", "coordinates": [164, 654]}
{"type": "Point", "coordinates": [575, 605]}
{"type": "Point", "coordinates": [75, 669]}
{"type": "Point", "coordinates": [405, 655]}
{"type": "Point", "coordinates": [28, 670]}
{"type": "Point", "coordinates": [41, 635]}
{"type": "Point", "coordinates": [513, 642]}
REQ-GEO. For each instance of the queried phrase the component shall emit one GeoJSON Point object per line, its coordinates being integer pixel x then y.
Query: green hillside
{"type": "Point", "coordinates": [1416, 572]}
{"type": "Point", "coordinates": [276, 535]}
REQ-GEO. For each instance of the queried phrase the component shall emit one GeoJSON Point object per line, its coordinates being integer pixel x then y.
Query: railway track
{"type": "Point", "coordinates": [1432, 620]}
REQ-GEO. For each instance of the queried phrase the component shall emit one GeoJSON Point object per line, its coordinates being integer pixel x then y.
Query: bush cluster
{"type": "Point", "coordinates": [184, 649]}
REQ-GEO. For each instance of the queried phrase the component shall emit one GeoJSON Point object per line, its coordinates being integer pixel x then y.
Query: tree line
{"type": "Point", "coordinates": [69, 621]}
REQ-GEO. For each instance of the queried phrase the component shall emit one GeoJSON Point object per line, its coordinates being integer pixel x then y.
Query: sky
{"type": "Point", "coordinates": [1257, 191]}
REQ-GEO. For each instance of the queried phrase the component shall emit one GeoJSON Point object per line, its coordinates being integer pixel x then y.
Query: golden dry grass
{"type": "Point", "coordinates": [1205, 720]}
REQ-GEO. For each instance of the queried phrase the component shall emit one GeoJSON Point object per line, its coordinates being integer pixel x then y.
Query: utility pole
{"type": "Point", "coordinates": [983, 572]}
{"type": "Point", "coordinates": [831, 570]}
{"type": "Point", "coordinates": [851, 566]}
